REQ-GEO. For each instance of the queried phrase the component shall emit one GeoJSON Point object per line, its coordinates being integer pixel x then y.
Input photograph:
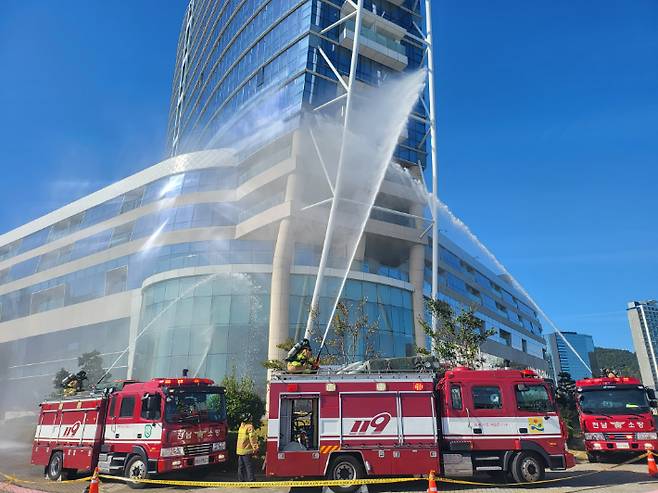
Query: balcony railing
{"type": "Point", "coordinates": [375, 46]}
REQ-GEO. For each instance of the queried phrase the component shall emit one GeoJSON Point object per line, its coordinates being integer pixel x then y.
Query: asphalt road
{"type": "Point", "coordinates": [631, 478]}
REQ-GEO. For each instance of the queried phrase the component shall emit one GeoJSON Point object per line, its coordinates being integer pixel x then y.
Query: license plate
{"type": "Point", "coordinates": [623, 445]}
{"type": "Point", "coordinates": [201, 461]}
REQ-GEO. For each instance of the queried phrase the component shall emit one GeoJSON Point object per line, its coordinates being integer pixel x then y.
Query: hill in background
{"type": "Point", "coordinates": [621, 360]}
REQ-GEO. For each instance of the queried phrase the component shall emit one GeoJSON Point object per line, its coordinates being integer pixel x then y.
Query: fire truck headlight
{"type": "Point", "coordinates": [218, 446]}
{"type": "Point", "coordinates": [594, 436]}
{"type": "Point", "coordinates": [172, 452]}
{"type": "Point", "coordinates": [647, 435]}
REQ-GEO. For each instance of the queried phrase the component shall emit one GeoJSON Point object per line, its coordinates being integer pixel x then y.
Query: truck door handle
{"type": "Point", "coordinates": [116, 435]}
{"type": "Point", "coordinates": [477, 431]}
{"type": "Point", "coordinates": [523, 430]}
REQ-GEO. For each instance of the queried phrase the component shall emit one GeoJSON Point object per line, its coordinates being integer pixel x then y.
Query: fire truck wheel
{"type": "Point", "coordinates": [592, 457]}
{"type": "Point", "coordinates": [137, 468]}
{"type": "Point", "coordinates": [528, 468]}
{"type": "Point", "coordinates": [55, 470]}
{"type": "Point", "coordinates": [345, 467]}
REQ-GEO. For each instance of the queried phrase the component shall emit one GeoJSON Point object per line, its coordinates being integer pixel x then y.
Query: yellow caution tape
{"type": "Point", "coordinates": [14, 479]}
{"type": "Point", "coordinates": [266, 484]}
{"type": "Point", "coordinates": [356, 482]}
{"type": "Point", "coordinates": [323, 482]}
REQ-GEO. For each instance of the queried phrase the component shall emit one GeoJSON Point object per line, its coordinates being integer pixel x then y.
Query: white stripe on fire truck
{"type": "Point", "coordinates": [499, 437]}
{"type": "Point", "coordinates": [129, 431]}
{"type": "Point", "coordinates": [64, 432]}
{"type": "Point", "coordinates": [500, 425]}
{"type": "Point", "coordinates": [330, 427]}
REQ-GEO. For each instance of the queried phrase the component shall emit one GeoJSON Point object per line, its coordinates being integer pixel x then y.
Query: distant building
{"type": "Point", "coordinates": [564, 359]}
{"type": "Point", "coordinates": [643, 320]}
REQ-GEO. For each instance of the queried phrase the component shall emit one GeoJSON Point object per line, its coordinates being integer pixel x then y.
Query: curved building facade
{"type": "Point", "coordinates": [171, 268]}
{"type": "Point", "coordinates": [207, 260]}
{"type": "Point", "coordinates": [188, 264]}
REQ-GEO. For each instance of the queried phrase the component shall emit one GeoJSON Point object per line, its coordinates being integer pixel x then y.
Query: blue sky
{"type": "Point", "coordinates": [548, 130]}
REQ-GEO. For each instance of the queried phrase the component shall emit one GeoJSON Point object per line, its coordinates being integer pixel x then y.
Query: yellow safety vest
{"type": "Point", "coordinates": [247, 441]}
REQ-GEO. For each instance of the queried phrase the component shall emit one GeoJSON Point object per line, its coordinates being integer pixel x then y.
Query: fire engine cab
{"type": "Point", "coordinates": [347, 426]}
{"type": "Point", "coordinates": [136, 429]}
{"type": "Point", "coordinates": [615, 416]}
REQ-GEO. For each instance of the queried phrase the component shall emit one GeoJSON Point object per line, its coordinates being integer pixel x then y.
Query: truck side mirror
{"type": "Point", "coordinates": [653, 403]}
{"type": "Point", "coordinates": [651, 394]}
{"type": "Point", "coordinates": [152, 405]}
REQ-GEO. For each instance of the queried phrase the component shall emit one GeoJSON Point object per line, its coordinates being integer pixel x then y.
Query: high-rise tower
{"type": "Point", "coordinates": [229, 52]}
{"type": "Point", "coordinates": [643, 320]}
{"type": "Point", "coordinates": [564, 358]}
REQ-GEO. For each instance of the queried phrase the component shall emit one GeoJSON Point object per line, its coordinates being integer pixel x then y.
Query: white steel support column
{"type": "Point", "coordinates": [332, 213]}
{"type": "Point", "coordinates": [433, 153]}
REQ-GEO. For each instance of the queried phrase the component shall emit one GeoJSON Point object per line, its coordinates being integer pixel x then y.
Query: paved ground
{"type": "Point", "coordinates": [14, 460]}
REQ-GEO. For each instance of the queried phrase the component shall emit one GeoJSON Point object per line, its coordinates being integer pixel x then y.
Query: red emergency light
{"type": "Point", "coordinates": [607, 381]}
{"type": "Point", "coordinates": [184, 381]}
{"type": "Point", "coordinates": [292, 387]}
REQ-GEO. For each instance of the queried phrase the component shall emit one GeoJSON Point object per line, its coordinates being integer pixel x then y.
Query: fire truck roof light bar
{"type": "Point", "coordinates": [184, 381]}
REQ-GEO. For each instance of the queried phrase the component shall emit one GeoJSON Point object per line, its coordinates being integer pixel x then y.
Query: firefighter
{"type": "Point", "coordinates": [247, 446]}
{"type": "Point", "coordinates": [73, 383]}
{"type": "Point", "coordinates": [300, 358]}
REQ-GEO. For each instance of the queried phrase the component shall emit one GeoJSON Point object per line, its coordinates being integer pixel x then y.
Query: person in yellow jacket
{"type": "Point", "coordinates": [246, 447]}
{"type": "Point", "coordinates": [300, 358]}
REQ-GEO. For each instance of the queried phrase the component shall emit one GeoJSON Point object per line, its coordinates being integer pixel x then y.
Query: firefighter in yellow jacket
{"type": "Point", "coordinates": [300, 358]}
{"type": "Point", "coordinates": [246, 447]}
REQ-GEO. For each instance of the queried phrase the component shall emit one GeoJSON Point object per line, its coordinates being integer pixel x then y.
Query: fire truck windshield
{"type": "Point", "coordinates": [184, 406]}
{"type": "Point", "coordinates": [614, 401]}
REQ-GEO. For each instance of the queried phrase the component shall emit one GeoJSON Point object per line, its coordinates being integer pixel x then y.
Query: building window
{"type": "Point", "coordinates": [524, 345]}
{"type": "Point", "coordinates": [115, 280]}
{"type": "Point", "coordinates": [122, 234]}
{"type": "Point", "coordinates": [132, 200]}
{"type": "Point", "coordinates": [506, 336]}
{"type": "Point", "coordinates": [47, 299]}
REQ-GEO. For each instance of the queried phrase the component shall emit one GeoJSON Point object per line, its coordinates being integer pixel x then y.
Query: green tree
{"type": "Point", "coordinates": [241, 398]}
{"type": "Point", "coordinates": [620, 360]}
{"type": "Point", "coordinates": [352, 335]}
{"type": "Point", "coordinates": [92, 363]}
{"type": "Point", "coordinates": [458, 337]}
{"type": "Point", "coordinates": [351, 338]}
{"type": "Point", "coordinates": [277, 364]}
{"type": "Point", "coordinates": [565, 395]}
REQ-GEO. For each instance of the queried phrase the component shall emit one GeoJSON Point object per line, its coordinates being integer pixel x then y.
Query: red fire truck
{"type": "Point", "coordinates": [615, 416]}
{"type": "Point", "coordinates": [136, 429]}
{"type": "Point", "coordinates": [346, 426]}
